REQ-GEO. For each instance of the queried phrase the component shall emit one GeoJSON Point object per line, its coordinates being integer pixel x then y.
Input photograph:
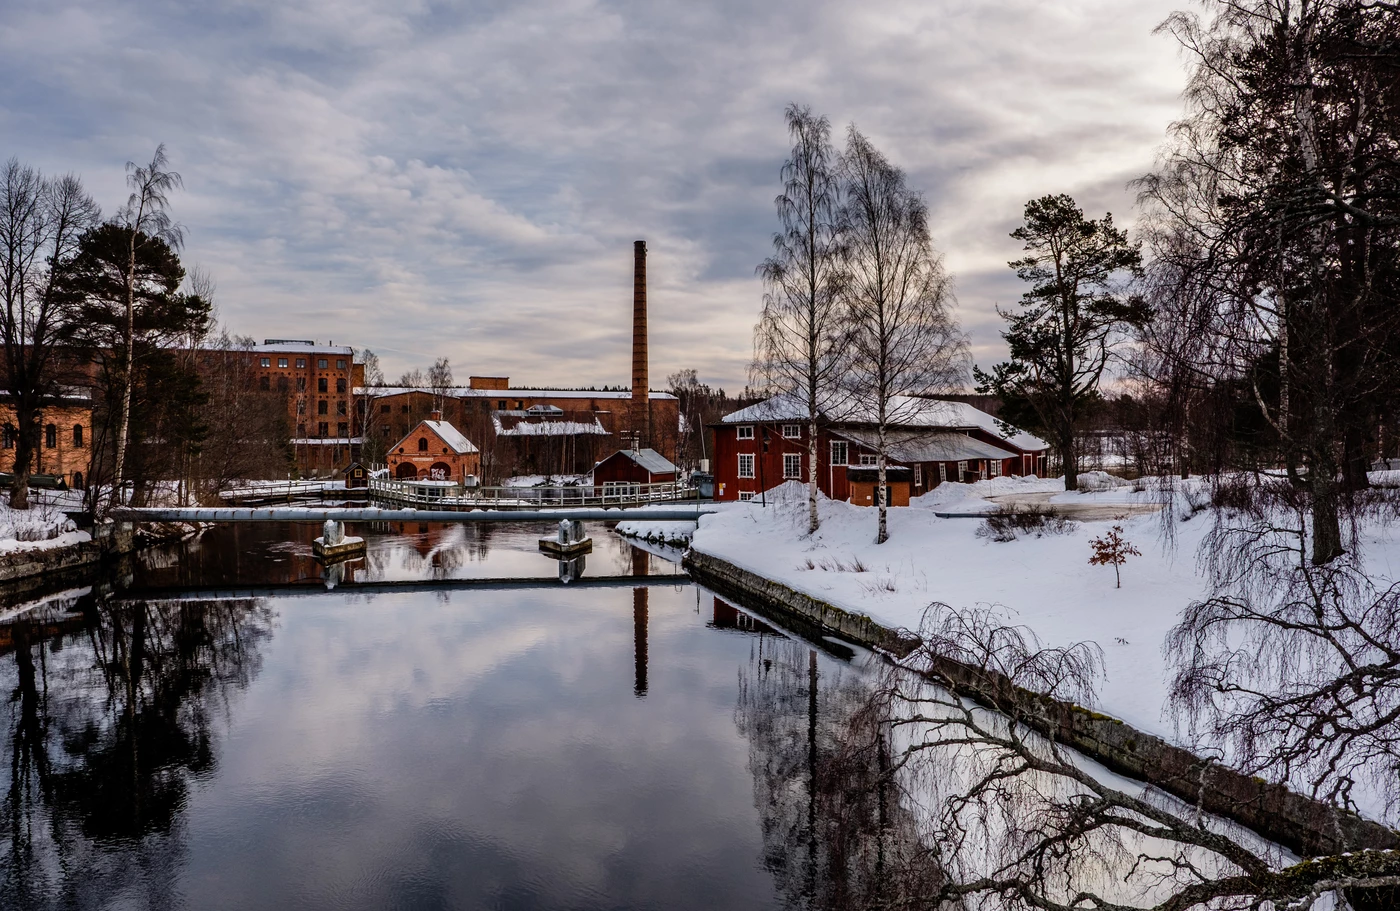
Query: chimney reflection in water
{"type": "Point", "coordinates": [640, 567]}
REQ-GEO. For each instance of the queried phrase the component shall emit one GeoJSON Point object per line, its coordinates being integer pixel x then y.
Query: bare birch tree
{"type": "Point", "coordinates": [440, 381]}
{"type": "Point", "coordinates": [797, 342]}
{"type": "Point", "coordinates": [903, 337]}
{"type": "Point", "coordinates": [146, 216]}
{"type": "Point", "coordinates": [40, 223]}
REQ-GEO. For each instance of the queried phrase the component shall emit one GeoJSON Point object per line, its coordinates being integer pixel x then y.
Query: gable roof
{"type": "Point", "coordinates": [445, 432]}
{"type": "Point", "coordinates": [924, 446]}
{"type": "Point", "coordinates": [650, 460]}
{"type": "Point", "coordinates": [907, 411]}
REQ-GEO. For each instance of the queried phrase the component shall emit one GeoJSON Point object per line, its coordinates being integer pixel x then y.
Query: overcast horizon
{"type": "Point", "coordinates": [430, 179]}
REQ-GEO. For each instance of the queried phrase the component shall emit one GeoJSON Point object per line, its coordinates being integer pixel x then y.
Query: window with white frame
{"type": "Point", "coordinates": [838, 452]}
{"type": "Point", "coordinates": [942, 472]}
{"type": "Point", "coordinates": [745, 464]}
{"type": "Point", "coordinates": [867, 459]}
{"type": "Point", "coordinates": [792, 466]}
{"type": "Point", "coordinates": [745, 496]}
{"type": "Point", "coordinates": [744, 431]}
{"type": "Point", "coordinates": [281, 362]}
{"type": "Point", "coordinates": [994, 467]}
{"type": "Point", "coordinates": [962, 470]}
{"type": "Point", "coordinates": [792, 431]}
{"type": "Point", "coordinates": [919, 475]}
{"type": "Point", "coordinates": [266, 362]}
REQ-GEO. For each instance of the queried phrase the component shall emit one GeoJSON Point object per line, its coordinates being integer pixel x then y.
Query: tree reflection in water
{"type": "Point", "coordinates": [108, 724]}
{"type": "Point", "coordinates": [836, 833]}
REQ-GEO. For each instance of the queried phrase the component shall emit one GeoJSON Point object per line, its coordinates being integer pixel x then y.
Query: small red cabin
{"type": "Point", "coordinates": [627, 469]}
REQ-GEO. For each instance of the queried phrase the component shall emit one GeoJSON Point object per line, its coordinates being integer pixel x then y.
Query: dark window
{"type": "Point", "coordinates": [301, 406]}
{"type": "Point", "coordinates": [321, 407]}
{"type": "Point", "coordinates": [281, 362]}
{"type": "Point", "coordinates": [340, 407]}
{"type": "Point", "coordinates": [301, 430]}
{"type": "Point", "coordinates": [77, 480]}
{"type": "Point", "coordinates": [282, 384]}
{"type": "Point", "coordinates": [321, 384]}
{"type": "Point", "coordinates": [322, 429]}
{"type": "Point", "coordinates": [264, 382]}
{"type": "Point", "coordinates": [340, 365]}
{"type": "Point", "coordinates": [383, 409]}
{"type": "Point", "coordinates": [77, 434]}
{"type": "Point", "coordinates": [340, 385]}
{"type": "Point", "coordinates": [321, 362]}
{"type": "Point", "coordinates": [485, 405]}
{"type": "Point", "coordinates": [51, 436]}
{"type": "Point", "coordinates": [266, 362]}
{"type": "Point", "coordinates": [384, 429]}
{"type": "Point", "coordinates": [404, 409]}
{"type": "Point", "coordinates": [301, 384]}
{"type": "Point", "coordinates": [502, 406]}
{"type": "Point", "coordinates": [301, 362]}
{"type": "Point", "coordinates": [342, 429]}
{"type": "Point", "coordinates": [8, 435]}
{"type": "Point", "coordinates": [422, 444]}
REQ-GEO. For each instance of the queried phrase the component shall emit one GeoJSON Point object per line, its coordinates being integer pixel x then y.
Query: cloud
{"type": "Point", "coordinates": [465, 180]}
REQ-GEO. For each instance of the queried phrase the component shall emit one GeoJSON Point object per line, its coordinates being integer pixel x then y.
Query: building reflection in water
{"type": "Point", "coordinates": [641, 566]}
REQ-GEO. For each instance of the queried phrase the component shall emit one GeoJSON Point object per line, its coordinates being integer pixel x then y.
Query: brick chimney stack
{"type": "Point", "coordinates": [641, 386]}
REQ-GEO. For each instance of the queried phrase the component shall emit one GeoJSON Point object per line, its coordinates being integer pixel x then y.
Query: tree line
{"type": "Point", "coordinates": [108, 305]}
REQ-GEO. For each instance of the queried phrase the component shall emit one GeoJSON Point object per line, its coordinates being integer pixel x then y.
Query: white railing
{"type": "Point", "coordinates": [447, 496]}
{"type": "Point", "coordinates": [279, 489]}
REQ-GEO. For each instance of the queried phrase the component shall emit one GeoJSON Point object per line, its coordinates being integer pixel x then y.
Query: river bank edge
{"type": "Point", "coordinates": [1301, 824]}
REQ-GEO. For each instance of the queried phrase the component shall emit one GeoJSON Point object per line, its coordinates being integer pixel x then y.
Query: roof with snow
{"type": "Point", "coordinates": [516, 424]}
{"type": "Point", "coordinates": [447, 433]}
{"type": "Point", "coordinates": [650, 460]}
{"type": "Point", "coordinates": [903, 411]}
{"type": "Point", "coordinates": [302, 346]}
{"type": "Point", "coordinates": [463, 392]}
{"type": "Point", "coordinates": [923, 446]}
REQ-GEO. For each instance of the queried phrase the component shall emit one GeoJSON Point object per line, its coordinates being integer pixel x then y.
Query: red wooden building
{"type": "Point", "coordinates": [627, 469]}
{"type": "Point", "coordinates": [764, 445]}
{"type": "Point", "coordinates": [435, 451]}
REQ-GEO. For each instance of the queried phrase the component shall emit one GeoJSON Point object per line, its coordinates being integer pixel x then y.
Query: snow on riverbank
{"type": "Point", "coordinates": [41, 527]}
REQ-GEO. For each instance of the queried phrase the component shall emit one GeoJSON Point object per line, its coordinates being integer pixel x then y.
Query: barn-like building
{"type": "Point", "coordinates": [934, 440]}
{"type": "Point", "coordinates": [435, 451]}
{"type": "Point", "coordinates": [627, 469]}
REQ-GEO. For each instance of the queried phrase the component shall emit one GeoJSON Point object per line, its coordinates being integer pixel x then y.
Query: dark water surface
{"type": "Point", "coordinates": [443, 747]}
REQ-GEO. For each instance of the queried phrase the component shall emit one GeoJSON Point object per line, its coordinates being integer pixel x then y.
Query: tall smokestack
{"type": "Point", "coordinates": [641, 387]}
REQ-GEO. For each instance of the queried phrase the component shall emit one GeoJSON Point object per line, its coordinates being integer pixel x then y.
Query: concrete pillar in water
{"type": "Point", "coordinates": [640, 567]}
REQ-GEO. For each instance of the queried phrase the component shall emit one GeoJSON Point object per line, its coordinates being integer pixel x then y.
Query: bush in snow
{"type": "Point", "coordinates": [1007, 525]}
{"type": "Point", "coordinates": [1113, 550]}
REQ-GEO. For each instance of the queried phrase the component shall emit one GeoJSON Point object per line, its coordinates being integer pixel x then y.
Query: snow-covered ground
{"type": "Point", "coordinates": [41, 527]}
{"type": "Point", "coordinates": [556, 480]}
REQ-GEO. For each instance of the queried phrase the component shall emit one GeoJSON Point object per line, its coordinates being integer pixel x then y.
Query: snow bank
{"type": "Point", "coordinates": [41, 527]}
{"type": "Point", "coordinates": [953, 493]}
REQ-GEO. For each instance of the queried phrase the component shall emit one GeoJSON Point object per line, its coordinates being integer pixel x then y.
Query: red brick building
{"type": "Point", "coordinates": [435, 451]}
{"type": "Point", "coordinates": [65, 441]}
{"type": "Point", "coordinates": [319, 384]}
{"type": "Point", "coordinates": [764, 445]}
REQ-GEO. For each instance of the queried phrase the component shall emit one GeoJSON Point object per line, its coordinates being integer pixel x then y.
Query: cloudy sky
{"type": "Point", "coordinates": [465, 179]}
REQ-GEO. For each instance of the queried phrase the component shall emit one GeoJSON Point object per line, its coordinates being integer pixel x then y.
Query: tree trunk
{"type": "Point", "coordinates": [25, 445]}
{"type": "Point", "coordinates": [882, 493]}
{"type": "Point", "coordinates": [1068, 460]}
{"type": "Point", "coordinates": [124, 423]}
{"type": "Point", "coordinates": [812, 520]}
{"type": "Point", "coordinates": [1326, 496]}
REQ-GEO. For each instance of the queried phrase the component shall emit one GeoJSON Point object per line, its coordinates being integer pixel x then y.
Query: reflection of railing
{"type": "Point", "coordinates": [450, 496]}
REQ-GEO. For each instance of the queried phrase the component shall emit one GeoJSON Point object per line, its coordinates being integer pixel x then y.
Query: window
{"type": "Point", "coordinates": [918, 475]}
{"type": "Point", "coordinates": [745, 496]}
{"type": "Point", "coordinates": [519, 405]}
{"type": "Point", "coordinates": [9, 435]}
{"type": "Point", "coordinates": [321, 362]}
{"type": "Point", "coordinates": [301, 384]}
{"type": "Point", "coordinates": [744, 432]}
{"type": "Point", "coordinates": [301, 406]}
{"type": "Point", "coordinates": [501, 406]}
{"type": "Point", "coordinates": [340, 365]}
{"type": "Point", "coordinates": [322, 429]}
{"type": "Point", "coordinates": [792, 431]}
{"type": "Point", "coordinates": [383, 409]}
{"type": "Point", "coordinates": [403, 409]}
{"type": "Point", "coordinates": [994, 467]}
{"type": "Point", "coordinates": [282, 384]}
{"type": "Point", "coordinates": [301, 431]}
{"type": "Point", "coordinates": [264, 382]}
{"type": "Point", "coordinates": [50, 436]}
{"type": "Point", "coordinates": [792, 466]}
{"type": "Point", "coordinates": [77, 435]}
{"type": "Point", "coordinates": [321, 407]}
{"type": "Point", "coordinates": [321, 385]}
{"type": "Point", "coordinates": [281, 362]}
{"type": "Point", "coordinates": [838, 452]}
{"type": "Point", "coordinates": [962, 470]}
{"type": "Point", "coordinates": [340, 385]}
{"type": "Point", "coordinates": [342, 429]}
{"type": "Point", "coordinates": [384, 430]}
{"type": "Point", "coordinates": [301, 363]}
{"type": "Point", "coordinates": [340, 407]}
{"type": "Point", "coordinates": [422, 444]}
{"type": "Point", "coordinates": [266, 362]}
{"type": "Point", "coordinates": [942, 472]}
{"type": "Point", "coordinates": [867, 459]}
{"type": "Point", "coordinates": [746, 465]}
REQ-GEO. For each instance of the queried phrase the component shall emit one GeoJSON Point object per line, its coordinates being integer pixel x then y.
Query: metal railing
{"type": "Point", "coordinates": [457, 496]}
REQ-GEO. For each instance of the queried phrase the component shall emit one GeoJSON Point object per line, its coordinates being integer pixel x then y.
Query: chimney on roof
{"type": "Point", "coordinates": [434, 415]}
{"type": "Point", "coordinates": [641, 386]}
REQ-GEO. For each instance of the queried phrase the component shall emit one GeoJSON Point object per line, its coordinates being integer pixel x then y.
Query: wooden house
{"type": "Point", "coordinates": [628, 469]}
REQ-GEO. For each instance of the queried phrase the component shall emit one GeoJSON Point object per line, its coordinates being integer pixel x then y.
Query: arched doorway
{"type": "Point", "coordinates": [77, 480]}
{"type": "Point", "coordinates": [441, 471]}
{"type": "Point", "coordinates": [406, 471]}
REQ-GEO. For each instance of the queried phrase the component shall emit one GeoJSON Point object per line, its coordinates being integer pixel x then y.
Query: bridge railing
{"type": "Point", "coordinates": [449, 496]}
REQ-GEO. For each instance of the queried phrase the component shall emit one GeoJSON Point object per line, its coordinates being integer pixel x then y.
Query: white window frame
{"type": "Point", "coordinates": [962, 469]}
{"type": "Point", "coordinates": [750, 458]}
{"type": "Point", "coordinates": [792, 431]}
{"type": "Point", "coordinates": [281, 362]}
{"type": "Point", "coordinates": [994, 467]}
{"type": "Point", "coordinates": [919, 474]}
{"type": "Point", "coordinates": [844, 457]}
{"type": "Point", "coordinates": [868, 461]}
{"type": "Point", "coordinates": [743, 432]}
{"type": "Point", "coordinates": [745, 496]}
{"type": "Point", "coordinates": [265, 362]}
{"type": "Point", "coordinates": [792, 460]}
{"type": "Point", "coordinates": [942, 472]}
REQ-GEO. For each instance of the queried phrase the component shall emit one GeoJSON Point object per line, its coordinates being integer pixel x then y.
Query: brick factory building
{"type": "Point", "coordinates": [318, 382]}
{"type": "Point", "coordinates": [435, 451]}
{"type": "Point", "coordinates": [65, 440]}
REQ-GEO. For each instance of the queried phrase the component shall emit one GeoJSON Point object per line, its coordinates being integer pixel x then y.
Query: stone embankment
{"type": "Point", "coordinates": [1306, 826]}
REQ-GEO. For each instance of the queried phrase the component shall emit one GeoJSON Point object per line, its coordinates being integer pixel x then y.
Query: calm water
{"type": "Point", "coordinates": [640, 745]}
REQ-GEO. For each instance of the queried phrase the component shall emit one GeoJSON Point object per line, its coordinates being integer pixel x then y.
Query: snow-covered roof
{"type": "Point", "coordinates": [547, 428]}
{"type": "Point", "coordinates": [904, 411]}
{"type": "Point", "coordinates": [462, 392]}
{"type": "Point", "coordinates": [302, 346]}
{"type": "Point", "coordinates": [451, 436]}
{"type": "Point", "coordinates": [326, 441]}
{"type": "Point", "coordinates": [650, 460]}
{"type": "Point", "coordinates": [924, 446]}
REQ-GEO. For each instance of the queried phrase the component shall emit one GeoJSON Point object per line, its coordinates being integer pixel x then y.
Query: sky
{"type": "Point", "coordinates": [465, 180]}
